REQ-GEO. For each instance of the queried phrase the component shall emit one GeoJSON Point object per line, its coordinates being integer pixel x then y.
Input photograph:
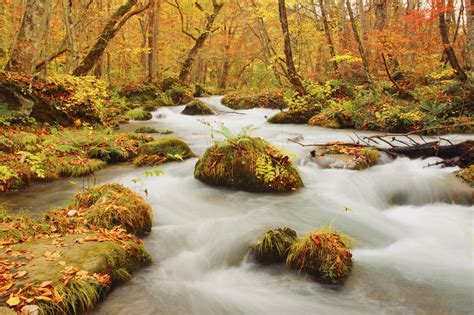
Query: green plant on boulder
{"type": "Point", "coordinates": [273, 246]}
{"type": "Point", "coordinates": [466, 175]}
{"type": "Point", "coordinates": [324, 254]}
{"type": "Point", "coordinates": [78, 166]}
{"type": "Point", "coordinates": [113, 205]}
{"type": "Point", "coordinates": [247, 163]}
{"type": "Point", "coordinates": [196, 107]}
{"type": "Point", "coordinates": [163, 150]}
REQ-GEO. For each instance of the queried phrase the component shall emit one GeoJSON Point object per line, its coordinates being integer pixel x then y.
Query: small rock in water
{"type": "Point", "coordinates": [297, 138]}
{"type": "Point", "coordinates": [30, 310]}
{"type": "Point", "coordinates": [71, 213]}
{"type": "Point", "coordinates": [160, 116]}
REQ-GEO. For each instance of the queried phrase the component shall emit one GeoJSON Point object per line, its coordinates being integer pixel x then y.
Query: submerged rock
{"type": "Point", "coordinates": [255, 100]}
{"type": "Point", "coordinates": [197, 107]}
{"type": "Point", "coordinates": [346, 156]}
{"type": "Point", "coordinates": [324, 254]}
{"type": "Point", "coordinates": [246, 163]}
{"type": "Point", "coordinates": [163, 150]}
{"type": "Point", "coordinates": [300, 115]}
{"type": "Point", "coordinates": [153, 130]}
{"type": "Point", "coordinates": [273, 246]}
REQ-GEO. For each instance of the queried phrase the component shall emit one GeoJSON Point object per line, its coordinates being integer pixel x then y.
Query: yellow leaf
{"type": "Point", "coordinates": [13, 300]}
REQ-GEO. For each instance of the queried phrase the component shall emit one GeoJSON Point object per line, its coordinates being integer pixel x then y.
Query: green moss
{"type": "Point", "coordinates": [76, 166]}
{"type": "Point", "coordinates": [153, 130]}
{"type": "Point", "coordinates": [273, 246]}
{"type": "Point", "coordinates": [138, 114]}
{"type": "Point", "coordinates": [113, 205]}
{"type": "Point", "coordinates": [247, 101]}
{"type": "Point", "coordinates": [249, 164]}
{"type": "Point", "coordinates": [167, 146]}
{"type": "Point", "coordinates": [322, 119]}
{"type": "Point", "coordinates": [300, 115]}
{"type": "Point", "coordinates": [323, 254]}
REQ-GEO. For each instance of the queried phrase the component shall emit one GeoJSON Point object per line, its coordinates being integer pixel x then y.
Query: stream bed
{"type": "Point", "coordinates": [412, 230]}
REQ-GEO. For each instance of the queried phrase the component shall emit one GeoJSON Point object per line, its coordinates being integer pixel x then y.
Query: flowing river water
{"type": "Point", "coordinates": [412, 230]}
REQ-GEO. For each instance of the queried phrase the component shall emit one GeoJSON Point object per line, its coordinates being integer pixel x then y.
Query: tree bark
{"type": "Point", "coordinates": [327, 33]}
{"type": "Point", "coordinates": [184, 74]}
{"type": "Point", "coordinates": [153, 41]}
{"type": "Point", "coordinates": [359, 42]}
{"type": "Point", "coordinates": [27, 47]}
{"type": "Point", "coordinates": [293, 76]}
{"type": "Point", "coordinates": [115, 23]}
{"type": "Point", "coordinates": [448, 48]}
{"type": "Point", "coordinates": [469, 5]}
{"type": "Point", "coordinates": [380, 7]}
{"type": "Point", "coordinates": [70, 35]}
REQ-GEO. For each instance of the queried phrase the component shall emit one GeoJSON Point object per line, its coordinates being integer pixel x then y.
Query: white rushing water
{"type": "Point", "coordinates": [413, 245]}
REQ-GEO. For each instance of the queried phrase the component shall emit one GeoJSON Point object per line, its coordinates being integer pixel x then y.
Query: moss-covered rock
{"type": "Point", "coordinates": [247, 101]}
{"type": "Point", "coordinates": [322, 119]}
{"type": "Point", "coordinates": [153, 130]}
{"type": "Point", "coordinates": [324, 254]}
{"type": "Point", "coordinates": [78, 166]}
{"type": "Point", "coordinates": [347, 156]}
{"type": "Point", "coordinates": [196, 107]}
{"type": "Point", "coordinates": [69, 274]}
{"type": "Point", "coordinates": [273, 246]}
{"type": "Point", "coordinates": [138, 114]}
{"type": "Point", "coordinates": [112, 205]}
{"type": "Point", "coordinates": [163, 150]}
{"type": "Point", "coordinates": [466, 175]}
{"type": "Point", "coordinates": [247, 163]}
{"type": "Point", "coordinates": [299, 115]}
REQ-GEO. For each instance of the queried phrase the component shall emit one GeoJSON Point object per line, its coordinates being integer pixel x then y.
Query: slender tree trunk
{"type": "Point", "coordinates": [470, 34]}
{"type": "Point", "coordinates": [70, 35]}
{"type": "Point", "coordinates": [144, 54]}
{"type": "Point", "coordinates": [293, 76]}
{"type": "Point", "coordinates": [153, 41]}
{"type": "Point", "coordinates": [380, 7]}
{"type": "Point", "coordinates": [114, 24]}
{"type": "Point", "coordinates": [327, 33]}
{"type": "Point", "coordinates": [448, 48]}
{"type": "Point", "coordinates": [27, 47]}
{"type": "Point", "coordinates": [184, 74]}
{"type": "Point", "coordinates": [359, 42]}
{"type": "Point", "coordinates": [363, 24]}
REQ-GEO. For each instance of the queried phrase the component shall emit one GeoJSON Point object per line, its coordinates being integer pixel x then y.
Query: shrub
{"type": "Point", "coordinates": [247, 101]}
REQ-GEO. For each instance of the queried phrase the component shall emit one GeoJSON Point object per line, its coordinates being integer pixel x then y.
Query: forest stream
{"type": "Point", "coordinates": [411, 227]}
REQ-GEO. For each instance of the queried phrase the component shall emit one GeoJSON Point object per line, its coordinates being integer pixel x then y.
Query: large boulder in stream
{"type": "Point", "coordinates": [255, 100]}
{"type": "Point", "coordinates": [247, 163]}
{"type": "Point", "coordinates": [299, 115]}
{"type": "Point", "coordinates": [196, 107]}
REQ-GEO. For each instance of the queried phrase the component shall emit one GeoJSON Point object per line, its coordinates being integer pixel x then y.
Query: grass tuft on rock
{"type": "Point", "coordinates": [138, 114]}
{"type": "Point", "coordinates": [323, 254]}
{"type": "Point", "coordinates": [77, 166]}
{"type": "Point", "coordinates": [274, 245]}
{"type": "Point", "coordinates": [466, 175]}
{"type": "Point", "coordinates": [163, 150]}
{"type": "Point", "coordinates": [153, 130]}
{"type": "Point", "coordinates": [247, 163]}
{"type": "Point", "coordinates": [112, 205]}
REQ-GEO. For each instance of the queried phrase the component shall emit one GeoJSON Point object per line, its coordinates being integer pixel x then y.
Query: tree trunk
{"type": "Point", "coordinates": [327, 33]}
{"type": "Point", "coordinates": [114, 24]}
{"type": "Point", "coordinates": [184, 74]}
{"type": "Point", "coordinates": [363, 24]}
{"type": "Point", "coordinates": [293, 76]}
{"type": "Point", "coordinates": [153, 41]}
{"type": "Point", "coordinates": [144, 54]}
{"type": "Point", "coordinates": [26, 49]}
{"type": "Point", "coordinates": [470, 34]}
{"type": "Point", "coordinates": [380, 7]}
{"type": "Point", "coordinates": [359, 42]}
{"type": "Point", "coordinates": [448, 49]}
{"type": "Point", "coordinates": [70, 35]}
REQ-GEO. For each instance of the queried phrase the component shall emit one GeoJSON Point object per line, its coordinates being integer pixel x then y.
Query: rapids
{"type": "Point", "coordinates": [412, 228]}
